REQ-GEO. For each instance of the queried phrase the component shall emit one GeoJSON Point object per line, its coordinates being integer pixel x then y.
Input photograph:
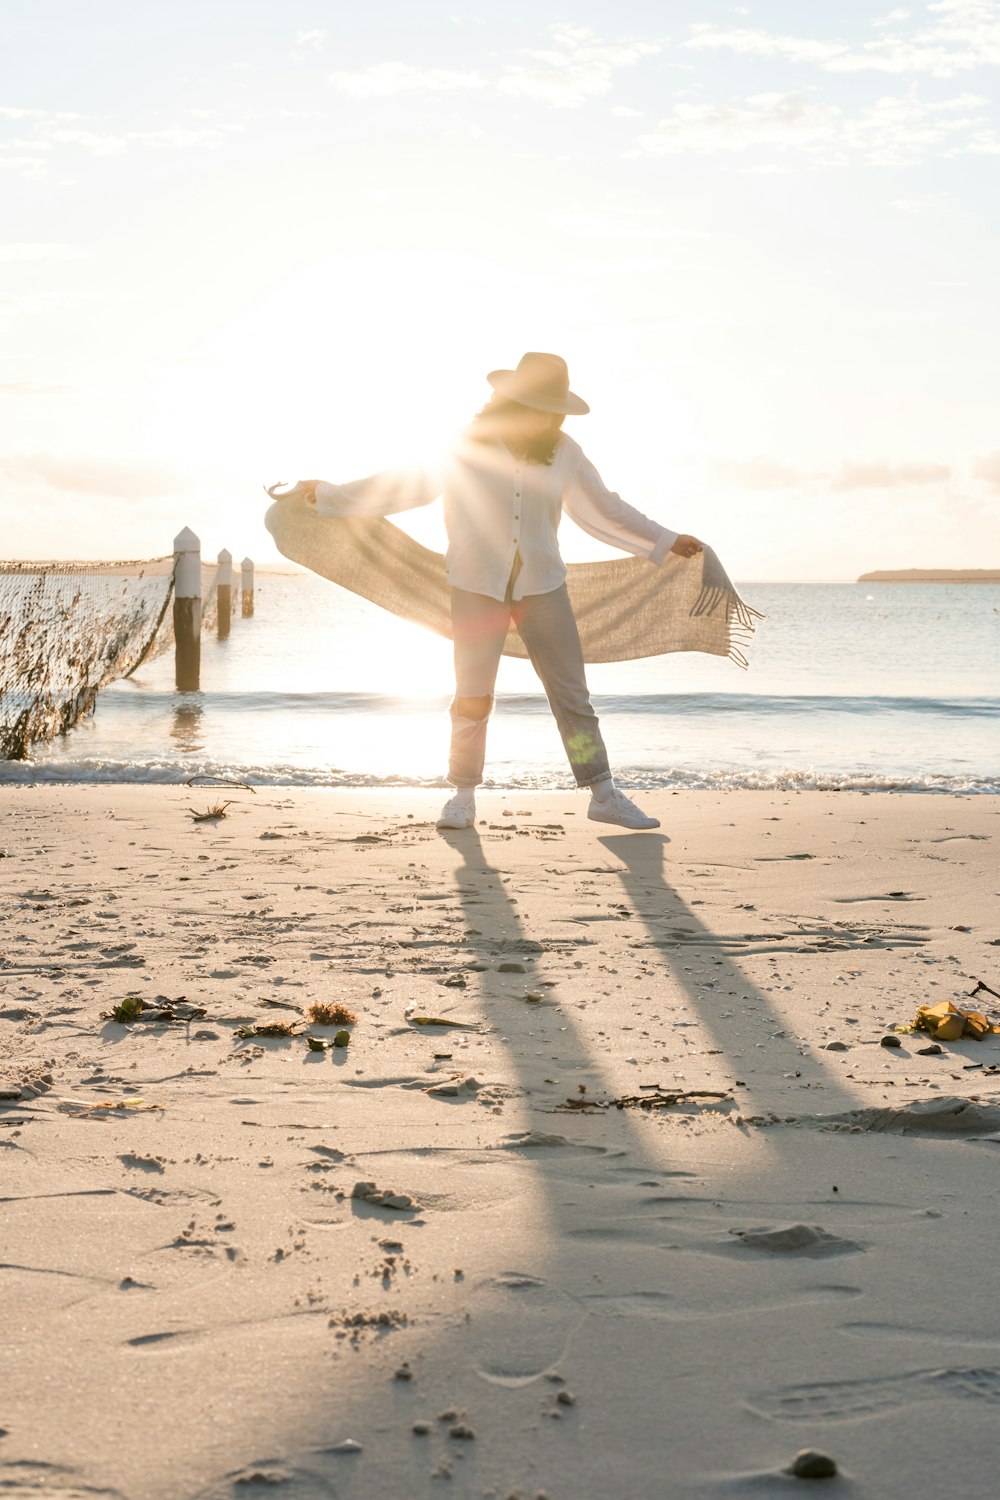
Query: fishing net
{"type": "Point", "coordinates": [67, 629]}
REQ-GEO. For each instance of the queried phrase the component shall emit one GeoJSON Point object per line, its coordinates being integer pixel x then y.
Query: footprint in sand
{"type": "Point", "coordinates": [520, 1326]}
{"type": "Point", "coordinates": [808, 1240]}
{"type": "Point", "coordinates": [271, 1477]}
{"type": "Point", "coordinates": [885, 896]}
{"type": "Point", "coordinates": [673, 1308]}
{"type": "Point", "coordinates": [22, 1481]}
{"type": "Point", "coordinates": [853, 1400]}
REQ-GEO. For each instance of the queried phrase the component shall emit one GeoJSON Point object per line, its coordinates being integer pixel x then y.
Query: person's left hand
{"type": "Point", "coordinates": [687, 546]}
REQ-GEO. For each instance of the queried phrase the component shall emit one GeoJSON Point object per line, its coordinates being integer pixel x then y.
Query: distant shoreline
{"type": "Point", "coordinates": [932, 575]}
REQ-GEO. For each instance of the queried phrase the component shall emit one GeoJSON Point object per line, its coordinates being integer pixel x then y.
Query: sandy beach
{"type": "Point", "coordinates": [538, 1293]}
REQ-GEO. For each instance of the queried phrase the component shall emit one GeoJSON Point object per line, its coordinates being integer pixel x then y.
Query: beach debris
{"type": "Point", "coordinates": [158, 1010]}
{"type": "Point", "coordinates": [349, 1445]}
{"type": "Point", "coordinates": [126, 1011]}
{"type": "Point", "coordinates": [415, 1020]}
{"type": "Point", "coordinates": [890, 1041]}
{"type": "Point", "coordinates": [206, 781]}
{"type": "Point", "coordinates": [211, 814]}
{"type": "Point", "coordinates": [324, 1013]}
{"type": "Point", "coordinates": [653, 1098]}
{"type": "Point", "coordinates": [341, 1038]}
{"type": "Point", "coordinates": [947, 1023]}
{"type": "Point", "coordinates": [369, 1192]}
{"type": "Point", "coordinates": [404, 1372]}
{"type": "Point", "coordinates": [136, 1105]}
{"type": "Point", "coordinates": [565, 1398]}
{"type": "Point", "coordinates": [461, 1431]}
{"type": "Point", "coordinates": [982, 985]}
{"type": "Point", "coordinates": [809, 1463]}
{"type": "Point", "coordinates": [421, 1429]}
{"type": "Point", "coordinates": [511, 966]}
{"type": "Point", "coordinates": [268, 1028]}
{"type": "Point", "coordinates": [934, 1050]}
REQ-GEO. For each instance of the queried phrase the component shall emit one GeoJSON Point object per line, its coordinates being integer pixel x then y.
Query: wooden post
{"type": "Point", "coordinates": [224, 585]}
{"type": "Point", "coordinates": [187, 611]}
{"type": "Point", "coordinates": [246, 587]}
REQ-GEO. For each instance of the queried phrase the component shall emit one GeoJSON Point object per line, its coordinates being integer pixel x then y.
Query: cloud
{"type": "Point", "coordinates": [576, 67]}
{"type": "Point", "coordinates": [34, 154]}
{"type": "Point", "coordinates": [181, 137]}
{"type": "Point", "coordinates": [758, 474]}
{"type": "Point", "coordinates": [32, 388]}
{"type": "Point", "coordinates": [987, 468]}
{"type": "Point", "coordinates": [963, 35]}
{"type": "Point", "coordinates": [790, 121]}
{"type": "Point", "coordinates": [385, 79]}
{"type": "Point", "coordinates": [314, 38]}
{"type": "Point", "coordinates": [878, 474]}
{"type": "Point", "coordinates": [98, 143]}
{"type": "Point", "coordinates": [761, 473]}
{"type": "Point", "coordinates": [26, 252]}
{"type": "Point", "coordinates": [893, 131]}
{"type": "Point", "coordinates": [89, 476]}
{"type": "Point", "coordinates": [923, 203]}
{"type": "Point", "coordinates": [751, 43]}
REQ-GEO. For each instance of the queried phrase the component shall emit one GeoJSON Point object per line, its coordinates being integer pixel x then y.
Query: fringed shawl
{"type": "Point", "coordinates": [625, 608]}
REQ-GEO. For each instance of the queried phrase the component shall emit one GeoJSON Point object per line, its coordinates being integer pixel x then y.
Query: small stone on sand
{"type": "Point", "coordinates": [810, 1464]}
{"type": "Point", "coordinates": [349, 1445]}
{"type": "Point", "coordinates": [890, 1041]}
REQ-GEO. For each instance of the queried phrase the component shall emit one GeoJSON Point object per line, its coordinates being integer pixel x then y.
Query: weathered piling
{"type": "Point", "coordinates": [224, 587]}
{"type": "Point", "coordinates": [246, 587]}
{"type": "Point", "coordinates": [187, 611]}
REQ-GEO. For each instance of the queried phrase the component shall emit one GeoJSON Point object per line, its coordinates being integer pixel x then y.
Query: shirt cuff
{"type": "Point", "coordinates": [662, 546]}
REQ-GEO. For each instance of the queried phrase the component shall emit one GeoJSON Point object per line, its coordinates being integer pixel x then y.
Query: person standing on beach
{"type": "Point", "coordinates": [505, 485]}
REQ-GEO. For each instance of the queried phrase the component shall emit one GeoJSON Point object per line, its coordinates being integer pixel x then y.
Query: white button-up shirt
{"type": "Point", "coordinates": [498, 508]}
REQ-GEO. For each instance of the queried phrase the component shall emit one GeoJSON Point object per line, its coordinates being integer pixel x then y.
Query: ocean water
{"type": "Point", "coordinates": [850, 685]}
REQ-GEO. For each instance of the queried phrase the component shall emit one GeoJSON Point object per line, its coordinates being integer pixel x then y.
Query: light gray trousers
{"type": "Point", "coordinates": [546, 625]}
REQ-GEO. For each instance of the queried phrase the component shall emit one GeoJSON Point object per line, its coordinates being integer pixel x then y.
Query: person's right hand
{"type": "Point", "coordinates": [303, 489]}
{"type": "Point", "coordinates": [687, 546]}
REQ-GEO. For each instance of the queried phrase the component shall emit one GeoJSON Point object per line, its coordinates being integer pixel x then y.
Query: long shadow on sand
{"type": "Point", "coordinates": [608, 1197]}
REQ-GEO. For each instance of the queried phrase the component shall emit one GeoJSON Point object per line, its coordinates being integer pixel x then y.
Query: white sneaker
{"type": "Point", "coordinates": [621, 810]}
{"type": "Point", "coordinates": [458, 812]}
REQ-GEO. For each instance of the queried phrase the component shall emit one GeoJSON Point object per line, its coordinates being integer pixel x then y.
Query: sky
{"type": "Point", "coordinates": [277, 239]}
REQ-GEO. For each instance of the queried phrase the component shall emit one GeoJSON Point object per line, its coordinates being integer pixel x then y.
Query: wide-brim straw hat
{"type": "Point", "coordinates": [540, 381]}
